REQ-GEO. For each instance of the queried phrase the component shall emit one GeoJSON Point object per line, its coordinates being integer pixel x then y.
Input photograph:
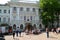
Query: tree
{"type": "Point", "coordinates": [50, 8]}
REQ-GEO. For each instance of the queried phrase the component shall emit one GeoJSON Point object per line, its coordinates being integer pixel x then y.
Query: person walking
{"type": "Point", "coordinates": [14, 30]}
{"type": "Point", "coordinates": [14, 33]}
{"type": "Point", "coordinates": [17, 30]}
{"type": "Point", "coordinates": [47, 32]}
{"type": "Point", "coordinates": [20, 32]}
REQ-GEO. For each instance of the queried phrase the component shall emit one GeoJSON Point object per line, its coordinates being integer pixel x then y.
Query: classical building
{"type": "Point", "coordinates": [19, 13]}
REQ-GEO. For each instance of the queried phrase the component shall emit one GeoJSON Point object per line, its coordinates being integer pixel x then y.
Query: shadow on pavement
{"type": "Point", "coordinates": [16, 39]}
{"type": "Point", "coordinates": [53, 37]}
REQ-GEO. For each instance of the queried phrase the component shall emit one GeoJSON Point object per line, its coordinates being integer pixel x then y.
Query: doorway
{"type": "Point", "coordinates": [28, 27]}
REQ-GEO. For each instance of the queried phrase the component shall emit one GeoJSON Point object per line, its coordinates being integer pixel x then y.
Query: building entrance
{"type": "Point", "coordinates": [28, 27]}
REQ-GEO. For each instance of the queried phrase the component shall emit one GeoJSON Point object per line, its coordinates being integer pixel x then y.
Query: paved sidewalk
{"type": "Point", "coordinates": [53, 36]}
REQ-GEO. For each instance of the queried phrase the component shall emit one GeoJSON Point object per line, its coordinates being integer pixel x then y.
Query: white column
{"type": "Point", "coordinates": [37, 14]}
{"type": "Point", "coordinates": [24, 8]}
{"type": "Point", "coordinates": [18, 9]}
{"type": "Point", "coordinates": [11, 9]}
{"type": "Point", "coordinates": [7, 11]}
{"type": "Point", "coordinates": [7, 19]}
{"type": "Point", "coordinates": [1, 19]}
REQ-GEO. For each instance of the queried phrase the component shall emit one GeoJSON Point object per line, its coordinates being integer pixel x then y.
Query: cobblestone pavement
{"type": "Point", "coordinates": [53, 36]}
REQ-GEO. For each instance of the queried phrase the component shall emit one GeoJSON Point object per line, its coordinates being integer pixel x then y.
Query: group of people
{"type": "Point", "coordinates": [57, 30]}
{"type": "Point", "coordinates": [16, 31]}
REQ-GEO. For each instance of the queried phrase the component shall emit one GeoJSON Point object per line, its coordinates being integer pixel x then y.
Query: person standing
{"type": "Point", "coordinates": [14, 30]}
{"type": "Point", "coordinates": [47, 32]}
{"type": "Point", "coordinates": [17, 30]}
{"type": "Point", "coordinates": [20, 32]}
{"type": "Point", "coordinates": [14, 33]}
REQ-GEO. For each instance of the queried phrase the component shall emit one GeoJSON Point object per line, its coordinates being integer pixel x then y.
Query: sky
{"type": "Point", "coordinates": [5, 1]}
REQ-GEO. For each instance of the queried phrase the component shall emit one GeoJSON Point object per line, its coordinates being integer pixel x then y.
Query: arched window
{"type": "Point", "coordinates": [40, 26]}
{"type": "Point", "coordinates": [34, 25]}
{"type": "Point", "coordinates": [14, 26]}
{"type": "Point", "coordinates": [21, 26]}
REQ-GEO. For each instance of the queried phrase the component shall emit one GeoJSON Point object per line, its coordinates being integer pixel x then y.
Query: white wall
{"type": "Point", "coordinates": [20, 14]}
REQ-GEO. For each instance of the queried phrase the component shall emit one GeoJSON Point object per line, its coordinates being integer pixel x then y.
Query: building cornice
{"type": "Point", "coordinates": [22, 4]}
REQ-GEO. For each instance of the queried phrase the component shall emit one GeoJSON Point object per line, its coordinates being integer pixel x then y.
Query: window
{"type": "Point", "coordinates": [4, 19]}
{"type": "Point", "coordinates": [24, 17]}
{"type": "Point", "coordinates": [31, 17]}
{"type": "Point", "coordinates": [21, 26]}
{"type": "Point", "coordinates": [39, 10]}
{"type": "Point", "coordinates": [8, 19]}
{"type": "Point", "coordinates": [27, 19]}
{"type": "Point", "coordinates": [14, 26]}
{"type": "Point", "coordinates": [5, 11]}
{"type": "Point", "coordinates": [40, 26]}
{"type": "Point", "coordinates": [0, 19]}
{"type": "Point", "coordinates": [14, 8]}
{"type": "Point", "coordinates": [28, 9]}
{"type": "Point", "coordinates": [8, 11]}
{"type": "Point", "coordinates": [33, 9]}
{"type": "Point", "coordinates": [21, 9]}
{"type": "Point", "coordinates": [0, 10]}
{"type": "Point", "coordinates": [34, 26]}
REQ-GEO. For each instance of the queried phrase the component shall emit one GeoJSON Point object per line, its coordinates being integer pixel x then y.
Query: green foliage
{"type": "Point", "coordinates": [50, 8]}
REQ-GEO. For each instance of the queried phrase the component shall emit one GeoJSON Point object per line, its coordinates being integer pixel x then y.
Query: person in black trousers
{"type": "Point", "coordinates": [17, 31]}
{"type": "Point", "coordinates": [47, 32]}
{"type": "Point", "coordinates": [20, 33]}
{"type": "Point", "coordinates": [13, 34]}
